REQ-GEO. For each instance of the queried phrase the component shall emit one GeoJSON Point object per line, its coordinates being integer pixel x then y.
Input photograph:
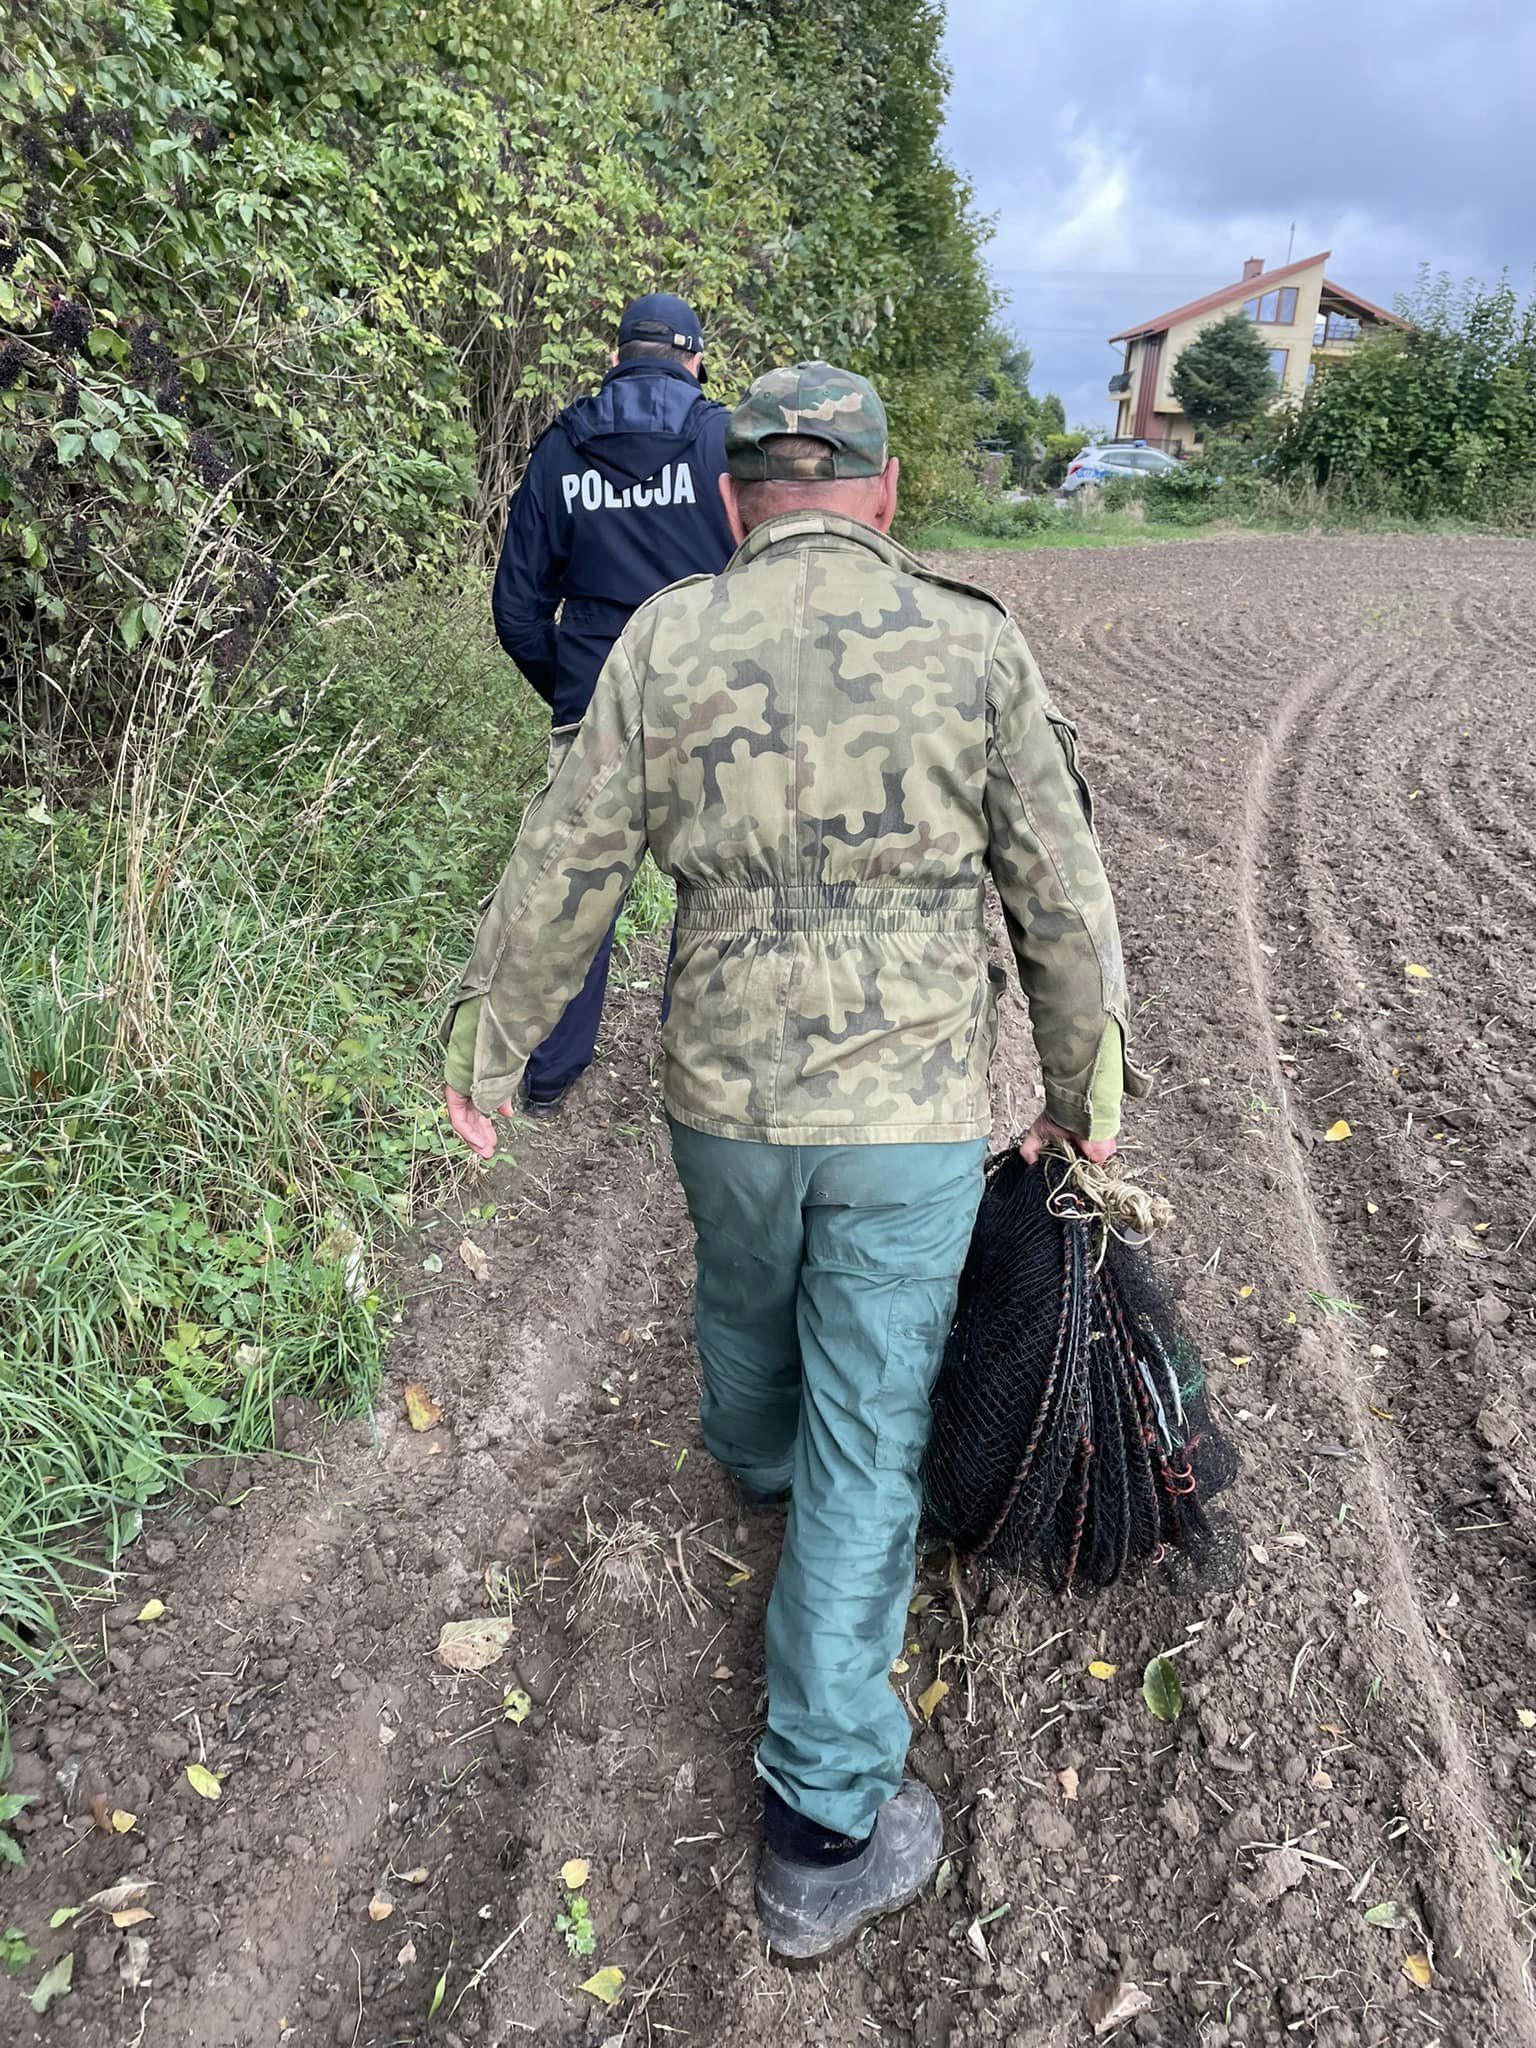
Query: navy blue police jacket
{"type": "Point", "coordinates": [620, 498]}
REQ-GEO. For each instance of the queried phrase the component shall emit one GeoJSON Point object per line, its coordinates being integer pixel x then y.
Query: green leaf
{"type": "Point", "coordinates": [438, 1989]}
{"type": "Point", "coordinates": [54, 1983]}
{"type": "Point", "coordinates": [130, 626]}
{"type": "Point", "coordinates": [16, 1952]}
{"type": "Point", "coordinates": [68, 446]}
{"type": "Point", "coordinates": [1387, 1914]}
{"type": "Point", "coordinates": [106, 441]}
{"type": "Point", "coordinates": [1161, 1690]}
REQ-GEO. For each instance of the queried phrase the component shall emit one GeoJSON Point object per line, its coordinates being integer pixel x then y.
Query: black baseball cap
{"type": "Point", "coordinates": [662, 316]}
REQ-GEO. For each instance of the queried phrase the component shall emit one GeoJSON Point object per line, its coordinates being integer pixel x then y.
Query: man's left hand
{"type": "Point", "coordinates": [473, 1125]}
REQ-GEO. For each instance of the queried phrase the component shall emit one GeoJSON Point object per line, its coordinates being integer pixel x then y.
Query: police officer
{"type": "Point", "coordinates": [830, 747]}
{"type": "Point", "coordinates": [619, 499]}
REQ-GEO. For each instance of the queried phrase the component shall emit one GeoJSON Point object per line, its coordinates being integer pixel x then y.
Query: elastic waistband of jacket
{"type": "Point", "coordinates": [853, 907]}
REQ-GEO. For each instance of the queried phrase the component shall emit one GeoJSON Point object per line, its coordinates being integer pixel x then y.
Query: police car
{"type": "Point", "coordinates": [1105, 460]}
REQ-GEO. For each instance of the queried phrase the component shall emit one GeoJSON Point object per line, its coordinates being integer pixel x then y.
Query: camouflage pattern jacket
{"type": "Point", "coordinates": [828, 747]}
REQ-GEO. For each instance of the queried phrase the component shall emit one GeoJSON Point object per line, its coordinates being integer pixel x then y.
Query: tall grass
{"type": "Point", "coordinates": [219, 982]}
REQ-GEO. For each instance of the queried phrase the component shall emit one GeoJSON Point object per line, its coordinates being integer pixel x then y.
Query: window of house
{"type": "Point", "coordinates": [1277, 359]}
{"type": "Point", "coordinates": [1275, 309]}
{"type": "Point", "coordinates": [1311, 372]}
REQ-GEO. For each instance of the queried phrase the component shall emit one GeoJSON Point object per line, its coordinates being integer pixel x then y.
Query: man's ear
{"type": "Point", "coordinates": [885, 504]}
{"type": "Point", "coordinates": [613, 359]}
{"type": "Point", "coordinates": [733, 518]}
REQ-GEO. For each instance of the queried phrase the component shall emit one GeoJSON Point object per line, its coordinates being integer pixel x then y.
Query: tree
{"type": "Point", "coordinates": [1013, 412]}
{"type": "Point", "coordinates": [1223, 378]}
{"type": "Point", "coordinates": [1440, 417]}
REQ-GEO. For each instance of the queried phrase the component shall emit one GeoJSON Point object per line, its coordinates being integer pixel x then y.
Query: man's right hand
{"type": "Point", "coordinates": [473, 1125]}
{"type": "Point", "coordinates": [1042, 1132]}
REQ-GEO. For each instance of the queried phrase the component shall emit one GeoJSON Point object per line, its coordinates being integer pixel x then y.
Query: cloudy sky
{"type": "Point", "coordinates": [1134, 154]}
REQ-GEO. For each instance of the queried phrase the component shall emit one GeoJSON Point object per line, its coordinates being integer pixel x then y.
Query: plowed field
{"type": "Point", "coordinates": [1314, 769]}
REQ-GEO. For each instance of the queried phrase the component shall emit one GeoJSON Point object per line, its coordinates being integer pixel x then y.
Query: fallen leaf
{"type": "Point", "coordinates": [387, 1734]}
{"type": "Point", "coordinates": [407, 1955]}
{"type": "Point", "coordinates": [53, 1983]}
{"type": "Point", "coordinates": [432, 1263]}
{"type": "Point", "coordinates": [101, 1812]}
{"type": "Point", "coordinates": [1258, 1553]}
{"type": "Point", "coordinates": [1416, 973]}
{"type": "Point", "coordinates": [122, 1822]}
{"type": "Point", "coordinates": [417, 1876]}
{"type": "Point", "coordinates": [920, 1603]}
{"type": "Point", "coordinates": [1418, 1970]}
{"type": "Point", "coordinates": [1111, 2008]}
{"type": "Point", "coordinates": [1336, 1132]}
{"type": "Point", "coordinates": [472, 1256]}
{"type": "Point", "coordinates": [1243, 1293]}
{"type": "Point", "coordinates": [1067, 1780]}
{"type": "Point", "coordinates": [62, 1915]}
{"type": "Point", "coordinates": [606, 1984]}
{"type": "Point", "coordinates": [1387, 1914]}
{"type": "Point", "coordinates": [133, 1962]}
{"type": "Point", "coordinates": [474, 1645]}
{"type": "Point", "coordinates": [516, 1707]}
{"type": "Point", "coordinates": [1293, 1539]}
{"type": "Point", "coordinates": [574, 1873]}
{"type": "Point", "coordinates": [421, 1410]}
{"type": "Point", "coordinates": [203, 1782]}
{"type": "Point", "coordinates": [928, 1701]}
{"type": "Point", "coordinates": [1525, 1717]}
{"type": "Point", "coordinates": [1382, 1414]}
{"type": "Point", "coordinates": [437, 1992]}
{"type": "Point", "coordinates": [1321, 1782]}
{"type": "Point", "coordinates": [1244, 1359]}
{"type": "Point", "coordinates": [721, 1673]}
{"type": "Point", "coordinates": [900, 1668]}
{"type": "Point", "coordinates": [1161, 1690]}
{"type": "Point", "coordinates": [380, 1906]}
{"type": "Point", "coordinates": [132, 1916]}
{"type": "Point", "coordinates": [150, 1611]}
{"type": "Point", "coordinates": [1099, 1669]}
{"type": "Point", "coordinates": [112, 1900]}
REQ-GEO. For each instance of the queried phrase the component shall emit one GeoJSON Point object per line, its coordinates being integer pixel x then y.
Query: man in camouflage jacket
{"type": "Point", "coordinates": [829, 747]}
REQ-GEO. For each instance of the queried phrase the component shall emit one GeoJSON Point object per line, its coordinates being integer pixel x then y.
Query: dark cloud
{"type": "Point", "coordinates": [1133, 157]}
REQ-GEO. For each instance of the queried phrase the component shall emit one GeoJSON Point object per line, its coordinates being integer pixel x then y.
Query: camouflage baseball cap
{"type": "Point", "coordinates": [822, 404]}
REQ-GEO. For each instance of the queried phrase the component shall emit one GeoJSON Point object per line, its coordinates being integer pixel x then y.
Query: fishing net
{"type": "Point", "coordinates": [1071, 1431]}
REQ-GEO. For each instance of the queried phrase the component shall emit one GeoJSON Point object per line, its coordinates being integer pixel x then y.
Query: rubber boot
{"type": "Point", "coordinates": [807, 1909]}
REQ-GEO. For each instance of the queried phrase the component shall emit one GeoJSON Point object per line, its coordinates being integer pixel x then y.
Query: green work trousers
{"type": "Point", "coordinates": [826, 1287]}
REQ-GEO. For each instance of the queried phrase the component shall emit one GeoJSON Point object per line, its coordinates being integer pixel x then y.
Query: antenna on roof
{"type": "Point", "coordinates": [1290, 246]}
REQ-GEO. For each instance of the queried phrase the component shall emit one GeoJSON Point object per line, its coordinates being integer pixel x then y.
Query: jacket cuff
{"type": "Point", "coordinates": [459, 1046]}
{"type": "Point", "coordinates": [1094, 1115]}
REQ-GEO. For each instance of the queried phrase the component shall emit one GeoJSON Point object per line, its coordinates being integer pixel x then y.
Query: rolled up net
{"type": "Point", "coordinates": [1071, 1431]}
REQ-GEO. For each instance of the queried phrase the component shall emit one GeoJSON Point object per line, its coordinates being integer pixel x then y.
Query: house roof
{"type": "Point", "coordinates": [1251, 288]}
{"type": "Point", "coordinates": [1228, 294]}
{"type": "Point", "coordinates": [1362, 305]}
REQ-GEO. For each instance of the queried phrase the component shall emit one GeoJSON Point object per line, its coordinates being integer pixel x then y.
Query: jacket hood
{"type": "Point", "coordinates": [645, 415]}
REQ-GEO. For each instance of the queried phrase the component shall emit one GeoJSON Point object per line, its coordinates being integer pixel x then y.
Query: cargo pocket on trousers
{"type": "Point", "coordinates": [921, 1313]}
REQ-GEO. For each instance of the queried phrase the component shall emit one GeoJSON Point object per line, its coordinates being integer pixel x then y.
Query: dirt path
{"type": "Point", "coordinates": [1314, 766]}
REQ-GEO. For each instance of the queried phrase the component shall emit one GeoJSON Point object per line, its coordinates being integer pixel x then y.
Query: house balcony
{"type": "Point", "coordinates": [1120, 383]}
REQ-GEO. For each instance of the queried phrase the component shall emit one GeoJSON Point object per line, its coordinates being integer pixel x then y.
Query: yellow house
{"type": "Point", "coordinates": [1302, 317]}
